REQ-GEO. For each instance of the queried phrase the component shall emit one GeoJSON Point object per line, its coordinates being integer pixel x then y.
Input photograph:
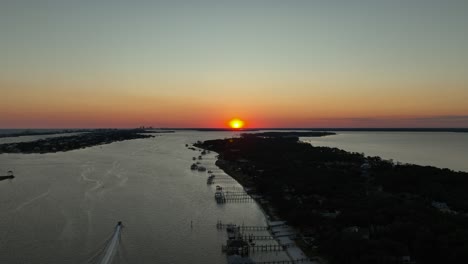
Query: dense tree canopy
{"type": "Point", "coordinates": [359, 209]}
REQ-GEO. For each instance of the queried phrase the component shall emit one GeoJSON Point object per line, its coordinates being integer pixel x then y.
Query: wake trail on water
{"type": "Point", "coordinates": [111, 249]}
{"type": "Point", "coordinates": [106, 253]}
{"type": "Point", "coordinates": [84, 175]}
{"type": "Point", "coordinates": [21, 206]}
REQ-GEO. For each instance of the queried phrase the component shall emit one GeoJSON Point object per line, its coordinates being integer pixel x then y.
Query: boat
{"type": "Point", "coordinates": [194, 167]}
{"type": "Point", "coordinates": [236, 248]}
{"type": "Point", "coordinates": [210, 179]}
{"type": "Point", "coordinates": [9, 175]}
{"type": "Point", "coordinates": [201, 168]}
{"type": "Point", "coordinates": [219, 197]}
{"type": "Point", "coordinates": [112, 246]}
{"type": "Point", "coordinates": [234, 232]}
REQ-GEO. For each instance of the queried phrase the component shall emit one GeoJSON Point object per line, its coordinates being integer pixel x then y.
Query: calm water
{"type": "Point", "coordinates": [61, 207]}
{"type": "Point", "coordinates": [444, 150]}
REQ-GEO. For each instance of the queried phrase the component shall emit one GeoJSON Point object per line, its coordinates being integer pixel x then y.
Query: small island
{"type": "Point", "coordinates": [350, 208]}
{"type": "Point", "coordinates": [67, 143]}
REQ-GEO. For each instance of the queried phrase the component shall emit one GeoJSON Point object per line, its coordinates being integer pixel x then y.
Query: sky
{"type": "Point", "coordinates": [298, 63]}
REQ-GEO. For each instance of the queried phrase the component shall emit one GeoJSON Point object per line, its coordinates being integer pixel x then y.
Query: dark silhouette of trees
{"type": "Point", "coordinates": [381, 214]}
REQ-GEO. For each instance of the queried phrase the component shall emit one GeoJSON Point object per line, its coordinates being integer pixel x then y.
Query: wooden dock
{"type": "Point", "coordinates": [271, 247]}
{"type": "Point", "coordinates": [234, 200]}
{"type": "Point", "coordinates": [262, 248]}
{"type": "Point", "coordinates": [220, 225]}
{"type": "Point", "coordinates": [223, 180]}
{"type": "Point", "coordinates": [296, 261]}
{"type": "Point", "coordinates": [222, 176]}
{"type": "Point", "coordinates": [233, 189]}
{"type": "Point", "coordinates": [250, 237]}
{"type": "Point", "coordinates": [235, 193]}
{"type": "Point", "coordinates": [232, 197]}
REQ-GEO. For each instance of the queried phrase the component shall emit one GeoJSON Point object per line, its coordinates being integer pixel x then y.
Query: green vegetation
{"type": "Point", "coordinates": [352, 208]}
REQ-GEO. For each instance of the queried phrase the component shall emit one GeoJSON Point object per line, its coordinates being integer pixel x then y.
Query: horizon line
{"type": "Point", "coordinates": [263, 128]}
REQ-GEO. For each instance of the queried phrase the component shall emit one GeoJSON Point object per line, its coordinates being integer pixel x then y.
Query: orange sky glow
{"type": "Point", "coordinates": [30, 106]}
{"type": "Point", "coordinates": [88, 64]}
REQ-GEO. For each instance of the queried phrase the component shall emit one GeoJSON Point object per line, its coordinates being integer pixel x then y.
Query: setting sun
{"type": "Point", "coordinates": [236, 123]}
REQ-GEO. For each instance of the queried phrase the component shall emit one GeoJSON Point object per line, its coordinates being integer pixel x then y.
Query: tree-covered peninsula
{"type": "Point", "coordinates": [351, 208]}
{"type": "Point", "coordinates": [67, 143]}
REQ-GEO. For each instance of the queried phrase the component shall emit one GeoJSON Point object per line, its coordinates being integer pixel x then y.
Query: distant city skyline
{"type": "Point", "coordinates": [383, 64]}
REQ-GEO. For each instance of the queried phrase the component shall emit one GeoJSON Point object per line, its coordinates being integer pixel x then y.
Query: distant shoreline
{"type": "Point", "coordinates": [80, 141]}
{"type": "Point", "coordinates": [28, 132]}
{"type": "Point", "coordinates": [161, 130]}
{"type": "Point", "coordinates": [456, 130]}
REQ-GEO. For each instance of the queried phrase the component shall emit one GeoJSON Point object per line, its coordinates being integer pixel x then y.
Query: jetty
{"type": "Point", "coordinates": [233, 197]}
{"type": "Point", "coordinates": [224, 199]}
{"type": "Point", "coordinates": [242, 245]}
{"type": "Point", "coordinates": [268, 247]}
{"type": "Point", "coordinates": [220, 225]}
{"type": "Point", "coordinates": [235, 244]}
{"type": "Point", "coordinates": [252, 237]}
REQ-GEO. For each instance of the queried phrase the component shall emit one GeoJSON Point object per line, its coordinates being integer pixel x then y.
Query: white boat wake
{"type": "Point", "coordinates": [105, 254]}
{"type": "Point", "coordinates": [113, 245]}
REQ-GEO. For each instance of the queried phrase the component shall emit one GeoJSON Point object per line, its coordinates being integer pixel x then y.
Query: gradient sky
{"type": "Point", "coordinates": [96, 63]}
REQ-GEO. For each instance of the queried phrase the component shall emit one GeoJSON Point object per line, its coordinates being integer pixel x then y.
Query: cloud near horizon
{"type": "Point", "coordinates": [450, 121]}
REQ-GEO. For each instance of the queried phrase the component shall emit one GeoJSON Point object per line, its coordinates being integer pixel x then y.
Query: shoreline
{"type": "Point", "coordinates": [27, 132]}
{"type": "Point", "coordinates": [298, 252]}
{"type": "Point", "coordinates": [248, 187]}
{"type": "Point", "coordinates": [68, 143]}
{"type": "Point", "coordinates": [268, 211]}
{"type": "Point", "coordinates": [338, 201]}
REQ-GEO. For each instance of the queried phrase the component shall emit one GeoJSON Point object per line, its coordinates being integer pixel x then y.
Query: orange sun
{"type": "Point", "coordinates": [236, 123]}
